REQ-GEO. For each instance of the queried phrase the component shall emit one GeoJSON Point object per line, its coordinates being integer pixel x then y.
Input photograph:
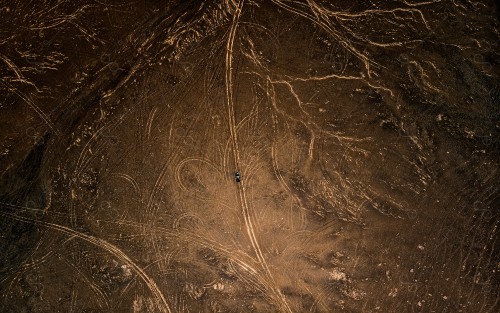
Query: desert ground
{"type": "Point", "coordinates": [365, 135]}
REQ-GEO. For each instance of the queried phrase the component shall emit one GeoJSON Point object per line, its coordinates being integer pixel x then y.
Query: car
{"type": "Point", "coordinates": [237, 176]}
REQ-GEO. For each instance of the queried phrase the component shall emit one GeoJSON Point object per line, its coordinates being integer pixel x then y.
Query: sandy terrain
{"type": "Point", "coordinates": [366, 137]}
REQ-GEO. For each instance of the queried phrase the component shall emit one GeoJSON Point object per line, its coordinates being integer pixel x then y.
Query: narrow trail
{"type": "Point", "coordinates": [249, 224]}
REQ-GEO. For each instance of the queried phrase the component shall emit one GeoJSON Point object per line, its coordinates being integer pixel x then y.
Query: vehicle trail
{"type": "Point", "coordinates": [249, 224]}
{"type": "Point", "coordinates": [131, 180]}
{"type": "Point", "coordinates": [164, 307]}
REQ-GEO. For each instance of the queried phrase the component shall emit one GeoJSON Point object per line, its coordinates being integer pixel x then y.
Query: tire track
{"type": "Point", "coordinates": [249, 224]}
{"type": "Point", "coordinates": [115, 251]}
